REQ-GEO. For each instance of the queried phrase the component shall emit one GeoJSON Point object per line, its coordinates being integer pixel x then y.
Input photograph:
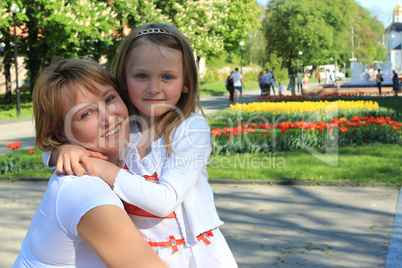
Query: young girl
{"type": "Point", "coordinates": [169, 145]}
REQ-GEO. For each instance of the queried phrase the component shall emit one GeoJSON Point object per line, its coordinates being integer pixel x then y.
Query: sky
{"type": "Point", "coordinates": [380, 8]}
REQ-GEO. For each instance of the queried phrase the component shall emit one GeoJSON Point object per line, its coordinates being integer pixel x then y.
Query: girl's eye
{"type": "Point", "coordinates": [141, 76]}
{"type": "Point", "coordinates": [167, 77]}
{"type": "Point", "coordinates": [109, 99]}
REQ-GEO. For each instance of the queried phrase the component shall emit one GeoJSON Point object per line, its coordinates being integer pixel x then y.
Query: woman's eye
{"type": "Point", "coordinates": [167, 77]}
{"type": "Point", "coordinates": [85, 114]}
{"type": "Point", "coordinates": [109, 99]}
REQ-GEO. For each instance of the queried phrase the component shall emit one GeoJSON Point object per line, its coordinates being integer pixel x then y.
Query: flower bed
{"type": "Point", "coordinates": [262, 112]}
{"type": "Point", "coordinates": [289, 136]}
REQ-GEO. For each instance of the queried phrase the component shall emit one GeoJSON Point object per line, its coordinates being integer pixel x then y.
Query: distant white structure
{"type": "Point", "coordinates": [393, 39]}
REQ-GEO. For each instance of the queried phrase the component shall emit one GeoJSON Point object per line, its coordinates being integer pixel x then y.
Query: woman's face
{"type": "Point", "coordinates": [96, 121]}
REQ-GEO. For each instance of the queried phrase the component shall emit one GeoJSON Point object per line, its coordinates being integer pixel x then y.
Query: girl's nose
{"type": "Point", "coordinates": [154, 86]}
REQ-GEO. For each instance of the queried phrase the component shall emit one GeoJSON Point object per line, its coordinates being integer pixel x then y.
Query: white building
{"type": "Point", "coordinates": [393, 39]}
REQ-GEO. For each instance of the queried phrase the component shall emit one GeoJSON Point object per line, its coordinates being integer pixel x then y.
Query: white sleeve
{"type": "Point", "coordinates": [77, 196]}
{"type": "Point", "coordinates": [46, 158]}
{"type": "Point", "coordinates": [180, 172]}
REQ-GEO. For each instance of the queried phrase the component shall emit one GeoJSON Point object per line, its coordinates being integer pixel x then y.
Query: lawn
{"type": "Point", "coordinates": [372, 163]}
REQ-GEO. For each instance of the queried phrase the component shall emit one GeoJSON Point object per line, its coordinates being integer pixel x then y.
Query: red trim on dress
{"type": "Point", "coordinates": [134, 210]}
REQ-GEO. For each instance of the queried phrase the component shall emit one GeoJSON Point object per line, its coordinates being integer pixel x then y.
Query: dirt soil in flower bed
{"type": "Point", "coordinates": [333, 89]}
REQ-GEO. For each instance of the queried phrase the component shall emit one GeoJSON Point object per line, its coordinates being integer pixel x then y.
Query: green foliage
{"type": "Point", "coordinates": [20, 161]}
{"type": "Point", "coordinates": [363, 163]}
{"type": "Point", "coordinates": [275, 63]}
{"type": "Point", "coordinates": [321, 30]}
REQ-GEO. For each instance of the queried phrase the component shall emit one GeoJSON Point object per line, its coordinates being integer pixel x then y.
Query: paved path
{"type": "Point", "coordinates": [266, 226]}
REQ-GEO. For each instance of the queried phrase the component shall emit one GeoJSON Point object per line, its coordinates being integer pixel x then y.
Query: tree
{"type": "Point", "coordinates": [6, 24]}
{"type": "Point", "coordinates": [317, 28]}
{"type": "Point", "coordinates": [368, 32]}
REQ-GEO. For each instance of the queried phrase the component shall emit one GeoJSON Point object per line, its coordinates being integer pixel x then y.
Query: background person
{"type": "Point", "coordinates": [81, 222]}
{"type": "Point", "coordinates": [230, 88]}
{"type": "Point", "coordinates": [299, 76]}
{"type": "Point", "coordinates": [267, 82]}
{"type": "Point", "coordinates": [261, 81]}
{"type": "Point", "coordinates": [237, 85]}
{"type": "Point", "coordinates": [378, 80]}
{"type": "Point", "coordinates": [395, 83]}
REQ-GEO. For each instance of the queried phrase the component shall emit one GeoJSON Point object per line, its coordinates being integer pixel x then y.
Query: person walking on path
{"type": "Point", "coordinates": [230, 88]}
{"type": "Point", "coordinates": [299, 76]}
{"type": "Point", "coordinates": [319, 79]}
{"type": "Point", "coordinates": [395, 83]}
{"type": "Point", "coordinates": [237, 85]}
{"type": "Point", "coordinates": [292, 84]}
{"type": "Point", "coordinates": [267, 82]}
{"type": "Point", "coordinates": [326, 77]}
{"type": "Point", "coordinates": [261, 81]}
{"type": "Point", "coordinates": [378, 80]}
{"type": "Point", "coordinates": [305, 81]}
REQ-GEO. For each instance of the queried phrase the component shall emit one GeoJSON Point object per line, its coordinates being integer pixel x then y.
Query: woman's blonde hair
{"type": "Point", "coordinates": [52, 89]}
{"type": "Point", "coordinates": [167, 36]}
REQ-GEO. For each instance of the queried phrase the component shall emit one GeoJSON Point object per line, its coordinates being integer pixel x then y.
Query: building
{"type": "Point", "coordinates": [393, 39]}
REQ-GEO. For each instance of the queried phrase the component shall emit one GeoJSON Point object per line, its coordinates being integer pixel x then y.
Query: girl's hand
{"type": "Point", "coordinates": [74, 160]}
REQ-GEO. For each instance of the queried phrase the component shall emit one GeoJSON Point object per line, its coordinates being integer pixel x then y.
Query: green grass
{"type": "Point", "coordinates": [9, 111]}
{"type": "Point", "coordinates": [375, 163]}
{"type": "Point", "coordinates": [36, 166]}
{"type": "Point", "coordinates": [218, 87]}
{"type": "Point", "coordinates": [368, 163]}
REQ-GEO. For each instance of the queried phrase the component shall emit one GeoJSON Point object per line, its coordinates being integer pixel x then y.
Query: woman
{"type": "Point", "coordinates": [261, 81]}
{"type": "Point", "coordinates": [395, 83]}
{"type": "Point", "coordinates": [230, 88]}
{"type": "Point", "coordinates": [81, 222]}
{"type": "Point", "coordinates": [305, 81]}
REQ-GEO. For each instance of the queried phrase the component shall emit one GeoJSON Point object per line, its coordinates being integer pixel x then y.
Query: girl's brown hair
{"type": "Point", "coordinates": [171, 38]}
{"type": "Point", "coordinates": [52, 89]}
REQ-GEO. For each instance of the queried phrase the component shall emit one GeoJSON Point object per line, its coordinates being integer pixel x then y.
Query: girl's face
{"type": "Point", "coordinates": [98, 122]}
{"type": "Point", "coordinates": [155, 80]}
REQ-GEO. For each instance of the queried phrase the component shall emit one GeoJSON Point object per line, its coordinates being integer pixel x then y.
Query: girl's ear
{"type": "Point", "coordinates": [185, 89]}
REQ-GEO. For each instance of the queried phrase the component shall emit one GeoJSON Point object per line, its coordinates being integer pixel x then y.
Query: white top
{"type": "Point", "coordinates": [52, 238]}
{"type": "Point", "coordinates": [267, 77]}
{"type": "Point", "coordinates": [236, 76]}
{"type": "Point", "coordinates": [183, 179]}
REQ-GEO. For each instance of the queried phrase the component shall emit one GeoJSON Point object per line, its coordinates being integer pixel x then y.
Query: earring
{"type": "Point", "coordinates": [185, 90]}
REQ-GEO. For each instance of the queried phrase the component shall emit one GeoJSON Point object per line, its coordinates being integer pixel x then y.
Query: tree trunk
{"type": "Point", "coordinates": [34, 57]}
{"type": "Point", "coordinates": [7, 66]}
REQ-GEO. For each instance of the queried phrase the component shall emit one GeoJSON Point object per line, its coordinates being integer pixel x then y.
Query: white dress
{"type": "Point", "coordinates": [189, 236]}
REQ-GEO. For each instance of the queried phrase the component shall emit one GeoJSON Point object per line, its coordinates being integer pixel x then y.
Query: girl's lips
{"type": "Point", "coordinates": [153, 100]}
